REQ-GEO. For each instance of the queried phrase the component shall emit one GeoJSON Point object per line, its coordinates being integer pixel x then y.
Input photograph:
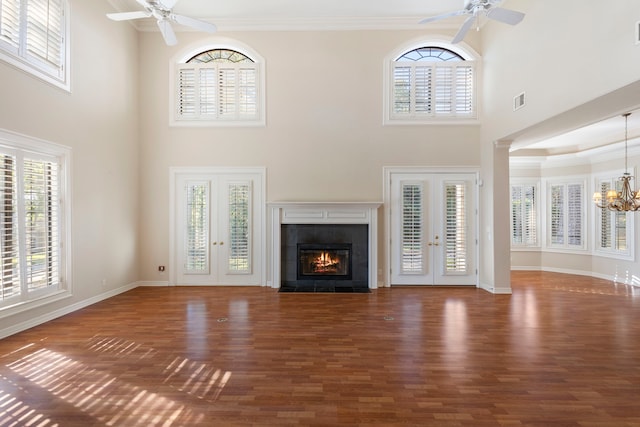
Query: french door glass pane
{"type": "Point", "coordinates": [412, 229]}
{"type": "Point", "coordinates": [239, 226]}
{"type": "Point", "coordinates": [456, 228]}
{"type": "Point", "coordinates": [197, 235]}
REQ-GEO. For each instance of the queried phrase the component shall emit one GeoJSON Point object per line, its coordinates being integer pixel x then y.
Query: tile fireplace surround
{"type": "Point", "coordinates": [323, 213]}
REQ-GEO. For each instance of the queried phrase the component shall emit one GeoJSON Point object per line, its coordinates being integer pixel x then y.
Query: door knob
{"type": "Point", "coordinates": [214, 243]}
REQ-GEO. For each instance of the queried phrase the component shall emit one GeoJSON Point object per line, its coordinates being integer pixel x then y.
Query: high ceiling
{"type": "Point", "coordinates": [307, 14]}
{"type": "Point", "coordinates": [239, 15]}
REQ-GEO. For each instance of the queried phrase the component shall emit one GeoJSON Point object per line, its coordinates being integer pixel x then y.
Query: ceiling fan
{"type": "Point", "coordinates": [161, 10]}
{"type": "Point", "coordinates": [475, 8]}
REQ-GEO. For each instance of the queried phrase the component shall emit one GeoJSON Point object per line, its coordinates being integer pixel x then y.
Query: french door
{"type": "Point", "coordinates": [433, 229]}
{"type": "Point", "coordinates": [218, 228]}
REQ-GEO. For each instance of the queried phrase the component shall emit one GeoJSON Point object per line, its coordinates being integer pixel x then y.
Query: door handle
{"type": "Point", "coordinates": [214, 243]}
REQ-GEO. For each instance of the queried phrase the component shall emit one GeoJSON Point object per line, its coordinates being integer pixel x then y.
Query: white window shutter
{"type": "Point", "coordinates": [557, 214]}
{"type": "Point", "coordinates": [196, 244]}
{"type": "Point", "coordinates": [456, 239]}
{"type": "Point", "coordinates": [44, 32]}
{"type": "Point", "coordinates": [574, 214]}
{"type": "Point", "coordinates": [10, 22]}
{"type": "Point", "coordinates": [41, 223]}
{"type": "Point", "coordinates": [240, 225]}
{"type": "Point", "coordinates": [412, 228]}
{"type": "Point", "coordinates": [9, 248]}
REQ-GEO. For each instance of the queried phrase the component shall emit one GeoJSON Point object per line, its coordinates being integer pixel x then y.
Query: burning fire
{"type": "Point", "coordinates": [324, 263]}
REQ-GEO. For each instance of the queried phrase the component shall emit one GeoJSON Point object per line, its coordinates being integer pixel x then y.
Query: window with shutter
{"type": "Point", "coordinates": [614, 230]}
{"type": "Point", "coordinates": [196, 242]}
{"type": "Point", "coordinates": [218, 86]}
{"type": "Point", "coordinates": [566, 213]}
{"type": "Point", "coordinates": [240, 227]}
{"type": "Point", "coordinates": [412, 228]}
{"type": "Point", "coordinates": [432, 83]}
{"type": "Point", "coordinates": [33, 37]}
{"type": "Point", "coordinates": [524, 215]}
{"type": "Point", "coordinates": [32, 220]}
{"type": "Point", "coordinates": [456, 228]}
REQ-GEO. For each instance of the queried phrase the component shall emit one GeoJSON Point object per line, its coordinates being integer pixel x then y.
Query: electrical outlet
{"type": "Point", "coordinates": [161, 268]}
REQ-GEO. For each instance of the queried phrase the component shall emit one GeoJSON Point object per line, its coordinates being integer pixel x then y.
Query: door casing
{"type": "Point", "coordinates": [391, 173]}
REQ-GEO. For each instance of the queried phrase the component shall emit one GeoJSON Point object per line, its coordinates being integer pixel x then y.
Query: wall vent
{"type": "Point", "coordinates": [638, 32]}
{"type": "Point", "coordinates": [518, 101]}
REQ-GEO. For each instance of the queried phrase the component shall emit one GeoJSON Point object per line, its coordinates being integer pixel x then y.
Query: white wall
{"type": "Point", "coordinates": [98, 120]}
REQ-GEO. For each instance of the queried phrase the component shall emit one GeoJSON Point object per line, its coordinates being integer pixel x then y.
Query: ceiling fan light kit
{"type": "Point", "coordinates": [475, 9]}
{"type": "Point", "coordinates": [162, 11]}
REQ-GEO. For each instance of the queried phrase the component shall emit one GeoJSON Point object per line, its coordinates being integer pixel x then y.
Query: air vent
{"type": "Point", "coordinates": [518, 102]}
{"type": "Point", "coordinates": [638, 32]}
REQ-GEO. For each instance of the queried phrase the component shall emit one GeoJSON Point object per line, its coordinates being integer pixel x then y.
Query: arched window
{"type": "Point", "coordinates": [431, 82]}
{"type": "Point", "coordinates": [219, 85]}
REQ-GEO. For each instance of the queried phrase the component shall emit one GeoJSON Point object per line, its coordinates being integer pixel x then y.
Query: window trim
{"type": "Point", "coordinates": [211, 44]}
{"type": "Point", "coordinates": [18, 142]}
{"type": "Point", "coordinates": [566, 247]}
{"type": "Point", "coordinates": [443, 42]}
{"type": "Point", "coordinates": [32, 66]}
{"type": "Point", "coordinates": [527, 182]}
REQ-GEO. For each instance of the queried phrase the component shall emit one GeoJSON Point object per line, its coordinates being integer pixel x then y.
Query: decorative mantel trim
{"type": "Point", "coordinates": [323, 213]}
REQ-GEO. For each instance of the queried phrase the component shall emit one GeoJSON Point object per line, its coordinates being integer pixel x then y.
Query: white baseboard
{"type": "Point", "coordinates": [497, 290]}
{"type": "Point", "coordinates": [23, 326]}
{"type": "Point", "coordinates": [158, 283]}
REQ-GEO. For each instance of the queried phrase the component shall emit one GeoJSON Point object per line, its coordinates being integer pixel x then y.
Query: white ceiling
{"type": "Point", "coordinates": [238, 15]}
{"type": "Point", "coordinates": [308, 14]}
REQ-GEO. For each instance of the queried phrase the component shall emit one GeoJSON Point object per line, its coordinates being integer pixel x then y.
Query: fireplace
{"type": "Point", "coordinates": [330, 224]}
{"type": "Point", "coordinates": [324, 258]}
{"type": "Point", "coordinates": [324, 261]}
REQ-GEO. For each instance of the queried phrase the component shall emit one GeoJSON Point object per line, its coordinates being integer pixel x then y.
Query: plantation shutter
{"type": "Point", "coordinates": [45, 29]}
{"type": "Point", "coordinates": [524, 228]}
{"type": "Point", "coordinates": [9, 253]}
{"type": "Point", "coordinates": [213, 91]}
{"type": "Point", "coordinates": [557, 214]}
{"type": "Point", "coordinates": [41, 218]}
{"type": "Point", "coordinates": [605, 219]}
{"type": "Point", "coordinates": [574, 212]}
{"type": "Point", "coordinates": [433, 90]}
{"type": "Point", "coordinates": [196, 244]}
{"type": "Point", "coordinates": [412, 255]}
{"type": "Point", "coordinates": [10, 22]}
{"type": "Point", "coordinates": [464, 88]}
{"type": "Point", "coordinates": [455, 228]}
{"type": "Point", "coordinates": [401, 89]}
{"type": "Point", "coordinates": [240, 220]}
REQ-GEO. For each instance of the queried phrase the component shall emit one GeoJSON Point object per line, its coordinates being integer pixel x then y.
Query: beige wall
{"type": "Point", "coordinates": [324, 139]}
{"type": "Point", "coordinates": [99, 121]}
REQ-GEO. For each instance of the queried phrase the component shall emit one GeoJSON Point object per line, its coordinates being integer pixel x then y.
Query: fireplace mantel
{"type": "Point", "coordinates": [323, 213]}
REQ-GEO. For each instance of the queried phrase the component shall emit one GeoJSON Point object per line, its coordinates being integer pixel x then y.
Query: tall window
{"type": "Point", "coordinates": [524, 215]}
{"type": "Point", "coordinates": [432, 83]}
{"type": "Point", "coordinates": [218, 86]}
{"type": "Point", "coordinates": [614, 230]}
{"type": "Point", "coordinates": [566, 215]}
{"type": "Point", "coordinates": [32, 222]}
{"type": "Point", "coordinates": [34, 37]}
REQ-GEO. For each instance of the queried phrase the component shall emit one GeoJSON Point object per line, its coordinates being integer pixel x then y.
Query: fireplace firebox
{"type": "Point", "coordinates": [324, 261]}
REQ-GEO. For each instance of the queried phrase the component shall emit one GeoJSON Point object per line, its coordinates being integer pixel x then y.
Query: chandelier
{"type": "Point", "coordinates": [626, 199]}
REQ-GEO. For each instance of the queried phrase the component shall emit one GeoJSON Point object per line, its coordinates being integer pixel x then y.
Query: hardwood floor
{"type": "Point", "coordinates": [561, 350]}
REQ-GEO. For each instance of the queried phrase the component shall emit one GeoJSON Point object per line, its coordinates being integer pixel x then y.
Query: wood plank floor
{"type": "Point", "coordinates": [561, 350]}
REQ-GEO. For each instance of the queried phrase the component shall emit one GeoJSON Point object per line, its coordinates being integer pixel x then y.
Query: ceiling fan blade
{"type": "Point", "coordinates": [124, 16]}
{"type": "Point", "coordinates": [464, 30]}
{"type": "Point", "coordinates": [443, 16]}
{"type": "Point", "coordinates": [167, 32]}
{"type": "Point", "coordinates": [194, 23]}
{"type": "Point", "coordinates": [506, 16]}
